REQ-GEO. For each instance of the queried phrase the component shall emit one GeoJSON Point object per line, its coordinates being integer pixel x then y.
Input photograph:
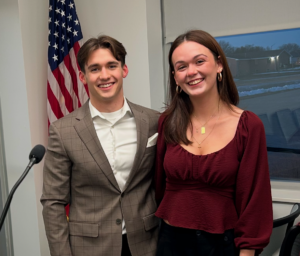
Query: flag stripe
{"type": "Point", "coordinates": [76, 49]}
{"type": "Point", "coordinates": [61, 83]}
{"type": "Point", "coordinates": [68, 82]}
{"type": "Point", "coordinates": [51, 115]}
{"type": "Point", "coordinates": [81, 90]}
{"type": "Point", "coordinates": [69, 67]}
{"type": "Point", "coordinates": [56, 92]}
{"type": "Point", "coordinates": [53, 102]}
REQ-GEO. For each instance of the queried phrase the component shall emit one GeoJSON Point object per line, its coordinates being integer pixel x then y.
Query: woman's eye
{"type": "Point", "coordinates": [199, 61]}
{"type": "Point", "coordinates": [180, 67]}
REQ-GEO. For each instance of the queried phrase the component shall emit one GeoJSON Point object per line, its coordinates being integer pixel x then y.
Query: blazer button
{"type": "Point", "coordinates": [118, 221]}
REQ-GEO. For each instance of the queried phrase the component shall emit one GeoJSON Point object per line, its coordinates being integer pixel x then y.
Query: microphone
{"type": "Point", "coordinates": [35, 156]}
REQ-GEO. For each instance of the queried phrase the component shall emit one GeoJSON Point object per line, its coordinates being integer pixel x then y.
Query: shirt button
{"type": "Point", "coordinates": [198, 232]}
{"type": "Point", "coordinates": [225, 238]}
{"type": "Point", "coordinates": [118, 221]}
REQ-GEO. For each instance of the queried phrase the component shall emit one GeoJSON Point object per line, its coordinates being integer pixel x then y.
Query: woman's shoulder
{"type": "Point", "coordinates": [250, 119]}
{"type": "Point", "coordinates": [161, 119]}
{"type": "Point", "coordinates": [245, 116]}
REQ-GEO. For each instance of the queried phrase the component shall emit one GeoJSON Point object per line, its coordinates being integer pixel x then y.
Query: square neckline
{"type": "Point", "coordinates": [218, 151]}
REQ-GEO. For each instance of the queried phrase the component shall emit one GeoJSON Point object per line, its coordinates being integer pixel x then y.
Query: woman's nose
{"type": "Point", "coordinates": [191, 70]}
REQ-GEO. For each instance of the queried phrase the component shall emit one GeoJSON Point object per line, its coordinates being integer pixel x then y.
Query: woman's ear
{"type": "Point", "coordinates": [220, 64]}
{"type": "Point", "coordinates": [173, 72]}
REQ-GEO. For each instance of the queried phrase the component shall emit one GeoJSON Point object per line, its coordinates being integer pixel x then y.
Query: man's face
{"type": "Point", "coordinates": [104, 77]}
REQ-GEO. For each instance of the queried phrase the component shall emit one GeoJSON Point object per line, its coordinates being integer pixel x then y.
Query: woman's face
{"type": "Point", "coordinates": [195, 68]}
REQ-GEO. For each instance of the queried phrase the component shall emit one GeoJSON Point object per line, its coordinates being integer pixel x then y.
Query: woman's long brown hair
{"type": "Point", "coordinates": [179, 106]}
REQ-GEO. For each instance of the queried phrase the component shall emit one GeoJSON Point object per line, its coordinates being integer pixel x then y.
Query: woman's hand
{"type": "Point", "coordinates": [245, 252]}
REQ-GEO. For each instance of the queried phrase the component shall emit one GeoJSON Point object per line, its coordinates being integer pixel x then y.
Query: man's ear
{"type": "Point", "coordinates": [125, 70]}
{"type": "Point", "coordinates": [82, 77]}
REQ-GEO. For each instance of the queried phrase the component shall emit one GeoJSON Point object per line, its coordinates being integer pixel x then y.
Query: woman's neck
{"type": "Point", "coordinates": [206, 106]}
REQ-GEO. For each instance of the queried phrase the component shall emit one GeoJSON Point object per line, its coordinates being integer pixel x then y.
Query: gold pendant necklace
{"type": "Point", "coordinates": [202, 127]}
{"type": "Point", "coordinates": [199, 144]}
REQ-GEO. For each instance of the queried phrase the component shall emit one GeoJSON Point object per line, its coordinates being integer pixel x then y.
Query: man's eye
{"type": "Point", "coordinates": [94, 69]}
{"type": "Point", "coordinates": [112, 66]}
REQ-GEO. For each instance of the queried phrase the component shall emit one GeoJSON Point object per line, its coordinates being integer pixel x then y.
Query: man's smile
{"type": "Point", "coordinates": [107, 85]}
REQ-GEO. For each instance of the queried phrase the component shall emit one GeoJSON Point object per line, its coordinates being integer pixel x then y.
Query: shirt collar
{"type": "Point", "coordinates": [124, 110]}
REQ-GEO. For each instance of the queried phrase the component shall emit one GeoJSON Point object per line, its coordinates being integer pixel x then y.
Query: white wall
{"type": "Point", "coordinates": [231, 17]}
{"type": "Point", "coordinates": [16, 128]}
{"type": "Point", "coordinates": [133, 23]}
{"type": "Point", "coordinates": [155, 53]}
{"type": "Point", "coordinates": [34, 31]}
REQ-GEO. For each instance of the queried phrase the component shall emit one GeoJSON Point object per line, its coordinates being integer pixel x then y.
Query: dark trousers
{"type": "Point", "coordinates": [125, 247]}
{"type": "Point", "coordinates": [173, 241]}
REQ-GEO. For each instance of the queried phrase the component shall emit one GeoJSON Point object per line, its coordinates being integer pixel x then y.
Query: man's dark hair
{"type": "Point", "coordinates": [104, 42]}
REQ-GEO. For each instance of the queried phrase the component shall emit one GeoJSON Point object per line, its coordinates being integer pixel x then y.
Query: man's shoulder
{"type": "Point", "coordinates": [69, 119]}
{"type": "Point", "coordinates": [148, 111]}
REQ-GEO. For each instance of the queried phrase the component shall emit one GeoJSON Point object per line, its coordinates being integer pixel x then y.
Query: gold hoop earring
{"type": "Point", "coordinates": [220, 77]}
{"type": "Point", "coordinates": [178, 91]}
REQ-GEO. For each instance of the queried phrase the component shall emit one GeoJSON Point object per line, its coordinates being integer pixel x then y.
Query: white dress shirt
{"type": "Point", "coordinates": [118, 137]}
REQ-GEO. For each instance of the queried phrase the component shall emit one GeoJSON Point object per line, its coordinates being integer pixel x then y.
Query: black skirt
{"type": "Point", "coordinates": [174, 241]}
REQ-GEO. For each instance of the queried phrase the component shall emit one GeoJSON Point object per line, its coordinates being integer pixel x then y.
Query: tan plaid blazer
{"type": "Point", "coordinates": [76, 171]}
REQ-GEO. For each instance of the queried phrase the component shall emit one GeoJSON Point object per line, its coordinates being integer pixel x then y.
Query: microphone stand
{"type": "Point", "coordinates": [10, 196]}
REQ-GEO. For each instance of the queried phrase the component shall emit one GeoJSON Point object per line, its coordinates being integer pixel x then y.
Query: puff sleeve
{"type": "Point", "coordinates": [253, 190]}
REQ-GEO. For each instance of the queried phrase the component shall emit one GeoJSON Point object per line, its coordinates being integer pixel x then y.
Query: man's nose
{"type": "Point", "coordinates": [104, 74]}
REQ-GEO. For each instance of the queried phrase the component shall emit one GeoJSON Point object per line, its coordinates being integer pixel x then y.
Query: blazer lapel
{"type": "Point", "coordinates": [142, 130]}
{"type": "Point", "coordinates": [86, 131]}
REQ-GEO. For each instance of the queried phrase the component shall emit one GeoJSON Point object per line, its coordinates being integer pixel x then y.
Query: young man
{"type": "Point", "coordinates": [100, 160]}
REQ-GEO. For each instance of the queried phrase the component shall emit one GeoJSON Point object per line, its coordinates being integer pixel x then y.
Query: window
{"type": "Point", "coordinates": [273, 95]}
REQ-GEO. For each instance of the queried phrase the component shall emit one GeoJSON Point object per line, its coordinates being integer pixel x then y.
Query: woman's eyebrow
{"type": "Point", "coordinates": [195, 57]}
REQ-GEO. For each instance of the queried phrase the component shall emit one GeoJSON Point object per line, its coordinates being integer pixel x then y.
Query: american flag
{"type": "Point", "coordinates": [65, 92]}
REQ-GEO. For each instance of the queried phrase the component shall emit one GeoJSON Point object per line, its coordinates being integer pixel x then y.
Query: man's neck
{"type": "Point", "coordinates": [107, 106]}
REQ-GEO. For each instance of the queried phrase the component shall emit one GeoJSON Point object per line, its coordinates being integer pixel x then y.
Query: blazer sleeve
{"type": "Point", "coordinates": [56, 194]}
{"type": "Point", "coordinates": [253, 190]}
{"type": "Point", "coordinates": [160, 176]}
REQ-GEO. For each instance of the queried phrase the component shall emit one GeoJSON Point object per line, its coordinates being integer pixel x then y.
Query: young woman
{"type": "Point", "coordinates": [212, 178]}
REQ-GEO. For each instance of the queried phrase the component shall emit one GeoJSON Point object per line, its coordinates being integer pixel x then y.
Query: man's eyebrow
{"type": "Point", "coordinates": [113, 63]}
{"type": "Point", "coordinates": [108, 63]}
{"type": "Point", "coordinates": [93, 66]}
{"type": "Point", "coordinates": [195, 57]}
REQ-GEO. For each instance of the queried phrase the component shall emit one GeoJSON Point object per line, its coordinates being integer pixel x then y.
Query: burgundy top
{"type": "Point", "coordinates": [227, 189]}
